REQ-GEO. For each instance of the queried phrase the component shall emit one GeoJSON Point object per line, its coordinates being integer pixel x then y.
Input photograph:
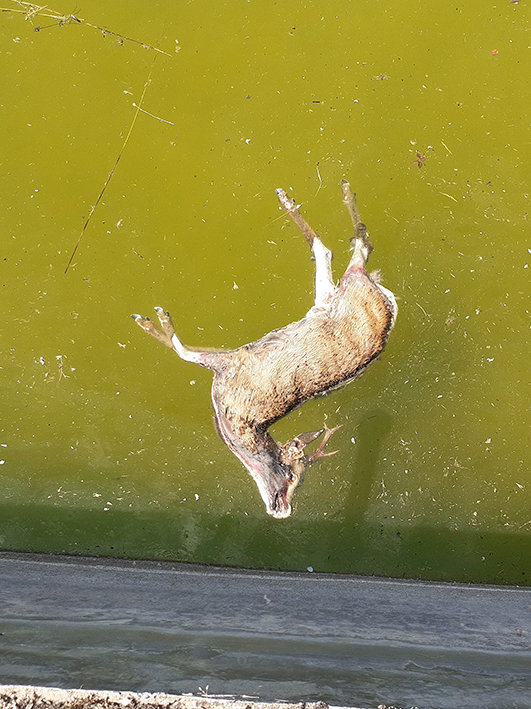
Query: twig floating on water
{"type": "Point", "coordinates": [30, 11]}
{"type": "Point", "coordinates": [162, 120]}
{"type": "Point", "coordinates": [111, 173]}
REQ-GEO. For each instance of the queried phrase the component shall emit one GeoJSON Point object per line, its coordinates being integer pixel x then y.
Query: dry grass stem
{"type": "Point", "coordinates": [31, 11]}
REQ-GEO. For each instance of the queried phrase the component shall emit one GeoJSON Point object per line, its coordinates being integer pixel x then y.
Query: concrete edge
{"type": "Point", "coordinates": [23, 697]}
{"type": "Point", "coordinates": [256, 638]}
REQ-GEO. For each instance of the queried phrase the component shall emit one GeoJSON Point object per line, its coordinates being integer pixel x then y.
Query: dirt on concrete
{"type": "Point", "coordinates": [22, 697]}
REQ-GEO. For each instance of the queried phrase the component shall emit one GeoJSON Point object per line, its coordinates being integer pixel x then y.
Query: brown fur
{"type": "Point", "coordinates": [305, 359]}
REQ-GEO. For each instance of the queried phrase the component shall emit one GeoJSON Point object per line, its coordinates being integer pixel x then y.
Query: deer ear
{"type": "Point", "coordinates": [308, 437]}
{"type": "Point", "coordinates": [294, 450]}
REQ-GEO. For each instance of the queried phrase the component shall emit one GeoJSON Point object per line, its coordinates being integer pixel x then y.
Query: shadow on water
{"type": "Point", "coordinates": [386, 549]}
{"type": "Point", "coordinates": [371, 434]}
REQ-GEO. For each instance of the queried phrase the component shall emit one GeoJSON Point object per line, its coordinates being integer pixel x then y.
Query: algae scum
{"type": "Point", "coordinates": [107, 444]}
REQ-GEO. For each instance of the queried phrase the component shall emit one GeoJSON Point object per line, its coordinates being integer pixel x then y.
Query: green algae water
{"type": "Point", "coordinates": [106, 439]}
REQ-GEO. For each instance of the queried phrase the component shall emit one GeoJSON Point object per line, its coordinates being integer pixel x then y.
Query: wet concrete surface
{"type": "Point", "coordinates": [73, 622]}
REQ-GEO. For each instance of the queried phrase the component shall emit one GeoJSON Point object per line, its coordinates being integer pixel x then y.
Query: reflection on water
{"type": "Point", "coordinates": [107, 445]}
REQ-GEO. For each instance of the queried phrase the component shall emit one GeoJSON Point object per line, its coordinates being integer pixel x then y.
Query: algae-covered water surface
{"type": "Point", "coordinates": [107, 443]}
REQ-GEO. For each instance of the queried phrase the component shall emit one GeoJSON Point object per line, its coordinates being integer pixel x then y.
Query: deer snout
{"type": "Point", "coordinates": [277, 483]}
{"type": "Point", "coordinates": [279, 507]}
{"type": "Point", "coordinates": [282, 491]}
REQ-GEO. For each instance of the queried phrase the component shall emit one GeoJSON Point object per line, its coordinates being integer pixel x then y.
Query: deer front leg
{"type": "Point", "coordinates": [167, 335]}
{"type": "Point", "coordinates": [324, 284]}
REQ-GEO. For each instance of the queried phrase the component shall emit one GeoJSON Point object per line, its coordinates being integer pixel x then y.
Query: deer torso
{"type": "Point", "coordinates": [261, 382]}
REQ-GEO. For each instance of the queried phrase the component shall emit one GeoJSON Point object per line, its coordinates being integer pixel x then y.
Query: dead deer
{"type": "Point", "coordinates": [259, 383]}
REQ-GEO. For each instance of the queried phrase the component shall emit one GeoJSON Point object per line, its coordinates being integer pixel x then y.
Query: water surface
{"type": "Point", "coordinates": [107, 443]}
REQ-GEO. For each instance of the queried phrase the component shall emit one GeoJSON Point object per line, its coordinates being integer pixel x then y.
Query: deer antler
{"type": "Point", "coordinates": [319, 452]}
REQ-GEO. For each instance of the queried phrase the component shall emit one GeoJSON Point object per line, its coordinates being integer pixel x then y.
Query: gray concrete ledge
{"type": "Point", "coordinates": [72, 622]}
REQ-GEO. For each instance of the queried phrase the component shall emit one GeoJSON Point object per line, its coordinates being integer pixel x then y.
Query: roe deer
{"type": "Point", "coordinates": [259, 383]}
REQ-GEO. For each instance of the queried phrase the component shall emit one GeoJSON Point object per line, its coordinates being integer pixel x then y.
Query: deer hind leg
{"type": "Point", "coordinates": [324, 284]}
{"type": "Point", "coordinates": [167, 335]}
{"type": "Point", "coordinates": [362, 246]}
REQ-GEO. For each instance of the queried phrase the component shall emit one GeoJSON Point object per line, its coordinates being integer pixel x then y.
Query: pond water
{"type": "Point", "coordinates": [107, 442]}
